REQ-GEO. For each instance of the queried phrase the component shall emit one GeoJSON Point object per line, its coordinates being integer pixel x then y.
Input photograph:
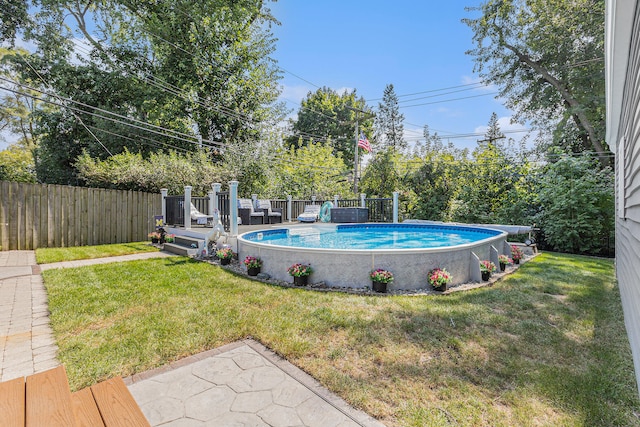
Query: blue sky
{"type": "Point", "coordinates": [416, 46]}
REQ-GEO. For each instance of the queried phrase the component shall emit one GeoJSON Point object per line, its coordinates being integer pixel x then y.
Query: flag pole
{"type": "Point", "coordinates": [355, 159]}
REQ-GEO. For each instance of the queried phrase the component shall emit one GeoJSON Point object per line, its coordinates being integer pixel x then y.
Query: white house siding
{"type": "Point", "coordinates": [623, 136]}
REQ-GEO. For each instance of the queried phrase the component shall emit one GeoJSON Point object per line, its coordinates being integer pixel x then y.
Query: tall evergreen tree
{"type": "Point", "coordinates": [389, 121]}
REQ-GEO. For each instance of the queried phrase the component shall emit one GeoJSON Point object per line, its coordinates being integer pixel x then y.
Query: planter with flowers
{"type": "Point", "coordinates": [516, 254]}
{"type": "Point", "coordinates": [169, 238]}
{"type": "Point", "coordinates": [300, 273]}
{"type": "Point", "coordinates": [504, 261]}
{"type": "Point", "coordinates": [486, 268]}
{"type": "Point", "coordinates": [224, 255]}
{"type": "Point", "coordinates": [253, 265]}
{"type": "Point", "coordinates": [380, 279]}
{"type": "Point", "coordinates": [439, 279]}
{"type": "Point", "coordinates": [154, 236]}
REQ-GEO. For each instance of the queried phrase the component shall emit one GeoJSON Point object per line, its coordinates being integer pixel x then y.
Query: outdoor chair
{"type": "Point", "coordinates": [271, 215]}
{"type": "Point", "coordinates": [248, 215]}
{"type": "Point", "coordinates": [199, 217]}
{"type": "Point", "coordinates": [310, 214]}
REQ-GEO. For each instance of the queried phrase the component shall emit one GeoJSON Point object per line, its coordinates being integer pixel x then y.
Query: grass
{"type": "Point", "coordinates": [49, 255]}
{"type": "Point", "coordinates": [546, 346]}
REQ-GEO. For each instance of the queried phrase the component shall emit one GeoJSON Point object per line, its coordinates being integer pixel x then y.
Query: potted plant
{"type": "Point", "coordinates": [154, 236]}
{"type": "Point", "coordinates": [253, 265]}
{"type": "Point", "coordinates": [486, 268]}
{"type": "Point", "coordinates": [504, 261]}
{"type": "Point", "coordinates": [439, 279]}
{"type": "Point", "coordinates": [380, 278]}
{"type": "Point", "coordinates": [516, 254]}
{"type": "Point", "coordinates": [300, 273]}
{"type": "Point", "coordinates": [169, 238]}
{"type": "Point", "coordinates": [224, 255]}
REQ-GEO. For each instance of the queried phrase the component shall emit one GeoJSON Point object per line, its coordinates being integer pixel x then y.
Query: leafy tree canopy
{"type": "Point", "coordinates": [547, 58]}
{"type": "Point", "coordinates": [326, 114]}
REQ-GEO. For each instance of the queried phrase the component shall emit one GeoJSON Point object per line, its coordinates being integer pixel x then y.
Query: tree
{"type": "Point", "coordinates": [327, 115]}
{"type": "Point", "coordinates": [14, 15]}
{"type": "Point", "coordinates": [488, 178]}
{"type": "Point", "coordinates": [381, 177]}
{"type": "Point", "coordinates": [389, 121]}
{"type": "Point", "coordinates": [16, 164]}
{"type": "Point", "coordinates": [175, 72]}
{"type": "Point", "coordinates": [546, 57]}
{"type": "Point", "coordinates": [577, 205]}
{"type": "Point", "coordinates": [311, 169]}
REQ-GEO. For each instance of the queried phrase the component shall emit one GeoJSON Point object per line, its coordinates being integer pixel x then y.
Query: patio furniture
{"type": "Point", "coordinates": [310, 214]}
{"type": "Point", "coordinates": [248, 215]}
{"type": "Point", "coordinates": [199, 217]}
{"type": "Point", "coordinates": [272, 215]}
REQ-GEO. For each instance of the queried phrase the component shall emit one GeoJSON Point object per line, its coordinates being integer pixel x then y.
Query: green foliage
{"type": "Point", "coordinates": [383, 174]}
{"type": "Point", "coordinates": [325, 115]}
{"type": "Point", "coordinates": [389, 126]}
{"type": "Point", "coordinates": [174, 74]}
{"type": "Point", "coordinates": [546, 57]}
{"type": "Point", "coordinates": [14, 16]}
{"type": "Point", "coordinates": [128, 171]}
{"type": "Point", "coordinates": [312, 169]}
{"type": "Point", "coordinates": [16, 164]}
{"type": "Point", "coordinates": [577, 205]}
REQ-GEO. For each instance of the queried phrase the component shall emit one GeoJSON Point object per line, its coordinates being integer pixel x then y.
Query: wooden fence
{"type": "Point", "coordinates": [44, 215]}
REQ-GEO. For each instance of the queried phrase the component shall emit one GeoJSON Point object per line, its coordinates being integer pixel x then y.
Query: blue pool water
{"type": "Point", "coordinates": [372, 236]}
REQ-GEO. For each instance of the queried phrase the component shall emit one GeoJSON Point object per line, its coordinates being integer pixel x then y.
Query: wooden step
{"type": "Point", "coordinates": [48, 399]}
{"type": "Point", "coordinates": [12, 403]}
{"type": "Point", "coordinates": [44, 399]}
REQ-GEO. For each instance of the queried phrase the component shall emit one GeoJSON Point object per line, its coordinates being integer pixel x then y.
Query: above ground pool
{"type": "Point", "coordinates": [344, 255]}
{"type": "Point", "coordinates": [372, 236]}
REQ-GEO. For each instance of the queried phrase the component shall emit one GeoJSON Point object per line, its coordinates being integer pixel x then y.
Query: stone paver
{"type": "Point", "coordinates": [241, 384]}
{"type": "Point", "coordinates": [244, 384]}
{"type": "Point", "coordinates": [26, 339]}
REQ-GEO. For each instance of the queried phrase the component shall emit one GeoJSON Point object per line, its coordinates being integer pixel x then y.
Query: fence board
{"type": "Point", "coordinates": [41, 215]}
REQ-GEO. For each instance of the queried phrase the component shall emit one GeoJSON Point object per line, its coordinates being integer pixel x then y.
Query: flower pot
{"type": "Point", "coordinates": [440, 288]}
{"type": "Point", "coordinates": [502, 266]}
{"type": "Point", "coordinates": [154, 240]}
{"type": "Point", "coordinates": [300, 280]}
{"type": "Point", "coordinates": [379, 287]}
{"type": "Point", "coordinates": [227, 261]}
{"type": "Point", "coordinates": [516, 261]}
{"type": "Point", "coordinates": [253, 271]}
{"type": "Point", "coordinates": [485, 275]}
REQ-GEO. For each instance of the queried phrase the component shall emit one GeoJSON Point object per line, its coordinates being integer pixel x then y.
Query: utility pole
{"type": "Point", "coordinates": [491, 139]}
{"type": "Point", "coordinates": [365, 116]}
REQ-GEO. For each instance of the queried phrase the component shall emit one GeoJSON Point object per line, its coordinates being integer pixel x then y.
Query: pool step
{"type": "Point", "coordinates": [186, 246]}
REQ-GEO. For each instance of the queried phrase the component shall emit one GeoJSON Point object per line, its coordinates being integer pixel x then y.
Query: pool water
{"type": "Point", "coordinates": [372, 236]}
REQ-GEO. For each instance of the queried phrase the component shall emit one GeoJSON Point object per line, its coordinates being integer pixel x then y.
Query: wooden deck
{"type": "Point", "coordinates": [44, 399]}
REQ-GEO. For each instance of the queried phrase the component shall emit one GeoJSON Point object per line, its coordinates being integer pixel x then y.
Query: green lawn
{"type": "Point", "coordinates": [546, 346]}
{"type": "Point", "coordinates": [49, 255]}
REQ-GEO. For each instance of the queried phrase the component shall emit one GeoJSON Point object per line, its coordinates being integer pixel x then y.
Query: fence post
{"type": "Point", "coordinates": [213, 206]}
{"type": "Point", "coordinates": [164, 192]}
{"type": "Point", "coordinates": [289, 207]}
{"type": "Point", "coordinates": [187, 207]}
{"type": "Point", "coordinates": [395, 207]}
{"type": "Point", "coordinates": [335, 200]}
{"type": "Point", "coordinates": [233, 207]}
{"type": "Point", "coordinates": [362, 202]}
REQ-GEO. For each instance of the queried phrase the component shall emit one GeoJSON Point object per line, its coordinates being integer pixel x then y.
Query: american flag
{"type": "Point", "coordinates": [363, 143]}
